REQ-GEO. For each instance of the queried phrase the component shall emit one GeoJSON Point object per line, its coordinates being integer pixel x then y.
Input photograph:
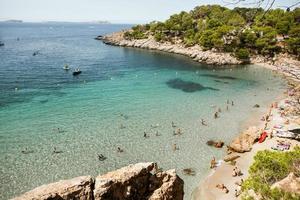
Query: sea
{"type": "Point", "coordinates": [53, 125]}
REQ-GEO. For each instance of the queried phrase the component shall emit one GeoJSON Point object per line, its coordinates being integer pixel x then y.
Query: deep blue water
{"type": "Point", "coordinates": [121, 93]}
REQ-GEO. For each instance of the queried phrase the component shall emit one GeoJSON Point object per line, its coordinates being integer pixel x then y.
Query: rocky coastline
{"type": "Point", "coordinates": [195, 52]}
{"type": "Point", "coordinates": [139, 181]}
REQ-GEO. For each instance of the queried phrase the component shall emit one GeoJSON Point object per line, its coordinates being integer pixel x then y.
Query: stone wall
{"type": "Point", "coordinates": [138, 182]}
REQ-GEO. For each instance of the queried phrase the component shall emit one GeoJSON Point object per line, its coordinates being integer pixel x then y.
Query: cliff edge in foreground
{"type": "Point", "coordinates": [138, 181]}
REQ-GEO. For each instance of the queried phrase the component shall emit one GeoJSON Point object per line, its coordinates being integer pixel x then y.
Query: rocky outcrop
{"type": "Point", "coordinates": [289, 184]}
{"type": "Point", "coordinates": [245, 140]}
{"type": "Point", "coordinates": [137, 182]}
{"type": "Point", "coordinates": [194, 52]}
{"type": "Point", "coordinates": [80, 188]}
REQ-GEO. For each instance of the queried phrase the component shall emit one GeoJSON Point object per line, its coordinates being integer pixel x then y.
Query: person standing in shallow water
{"type": "Point", "coordinates": [203, 122]}
{"type": "Point", "coordinates": [216, 115]}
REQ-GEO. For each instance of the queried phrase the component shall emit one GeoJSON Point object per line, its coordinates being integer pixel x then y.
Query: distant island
{"type": "Point", "coordinates": [13, 21]}
{"type": "Point", "coordinates": [88, 22]}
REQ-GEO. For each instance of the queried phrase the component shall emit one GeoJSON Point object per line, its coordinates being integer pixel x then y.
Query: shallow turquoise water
{"type": "Point", "coordinates": [121, 94]}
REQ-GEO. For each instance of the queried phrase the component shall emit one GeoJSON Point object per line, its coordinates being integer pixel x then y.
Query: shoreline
{"type": "Point", "coordinates": [223, 174]}
{"type": "Point", "coordinates": [283, 64]}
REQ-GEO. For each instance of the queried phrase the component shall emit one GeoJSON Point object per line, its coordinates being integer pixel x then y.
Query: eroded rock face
{"type": "Point", "coordinates": [244, 141]}
{"type": "Point", "coordinates": [194, 52]}
{"type": "Point", "coordinates": [126, 183]}
{"type": "Point", "coordinates": [79, 188]}
{"type": "Point", "coordinates": [289, 184]}
{"type": "Point", "coordinates": [169, 186]}
{"type": "Point", "coordinates": [137, 182]}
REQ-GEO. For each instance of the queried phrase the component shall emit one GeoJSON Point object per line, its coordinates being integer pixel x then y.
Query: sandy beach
{"type": "Point", "coordinates": [222, 174]}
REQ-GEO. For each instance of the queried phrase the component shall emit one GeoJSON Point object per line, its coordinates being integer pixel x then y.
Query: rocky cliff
{"type": "Point", "coordinates": [138, 182]}
{"type": "Point", "coordinates": [194, 52]}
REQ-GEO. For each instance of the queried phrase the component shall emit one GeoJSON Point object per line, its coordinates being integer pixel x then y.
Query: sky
{"type": "Point", "coordinates": [115, 11]}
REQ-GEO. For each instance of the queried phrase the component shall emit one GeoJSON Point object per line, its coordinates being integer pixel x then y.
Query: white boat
{"type": "Point", "coordinates": [66, 67]}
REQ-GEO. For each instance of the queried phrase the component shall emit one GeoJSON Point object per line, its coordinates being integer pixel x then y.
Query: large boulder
{"type": "Point", "coordinates": [129, 182]}
{"type": "Point", "coordinates": [245, 140]}
{"type": "Point", "coordinates": [141, 181]}
{"type": "Point", "coordinates": [79, 188]}
{"type": "Point", "coordinates": [289, 184]}
{"type": "Point", "coordinates": [167, 185]}
{"type": "Point", "coordinates": [138, 182]}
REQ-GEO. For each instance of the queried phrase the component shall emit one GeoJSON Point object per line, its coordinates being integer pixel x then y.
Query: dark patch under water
{"type": "Point", "coordinates": [219, 77]}
{"type": "Point", "coordinates": [187, 86]}
{"type": "Point", "coordinates": [218, 81]}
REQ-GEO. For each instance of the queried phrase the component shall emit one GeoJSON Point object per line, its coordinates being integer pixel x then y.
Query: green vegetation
{"type": "Point", "coordinates": [270, 167]}
{"type": "Point", "coordinates": [241, 31]}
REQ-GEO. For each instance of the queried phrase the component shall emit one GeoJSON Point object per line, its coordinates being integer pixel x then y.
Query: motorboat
{"type": "Point", "coordinates": [76, 72]}
{"type": "Point", "coordinates": [66, 67]}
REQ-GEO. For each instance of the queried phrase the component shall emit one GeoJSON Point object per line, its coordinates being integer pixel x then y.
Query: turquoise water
{"type": "Point", "coordinates": [121, 94]}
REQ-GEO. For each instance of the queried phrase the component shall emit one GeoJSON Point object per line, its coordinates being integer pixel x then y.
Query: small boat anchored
{"type": "Point", "coordinates": [76, 72]}
{"type": "Point", "coordinates": [1, 43]}
{"type": "Point", "coordinates": [66, 67]}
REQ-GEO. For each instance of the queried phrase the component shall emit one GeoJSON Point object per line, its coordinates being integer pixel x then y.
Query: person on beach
{"type": "Point", "coordinates": [227, 108]}
{"type": "Point", "coordinates": [266, 126]}
{"type": "Point", "coordinates": [175, 147]}
{"type": "Point", "coordinates": [238, 191]}
{"type": "Point", "coordinates": [173, 125]}
{"type": "Point", "coordinates": [145, 135]}
{"type": "Point", "coordinates": [222, 187]}
{"type": "Point", "coordinates": [267, 118]}
{"type": "Point", "coordinates": [239, 183]}
{"type": "Point", "coordinates": [157, 134]}
{"type": "Point", "coordinates": [119, 150]}
{"type": "Point", "coordinates": [178, 131]}
{"type": "Point", "coordinates": [101, 157]}
{"type": "Point", "coordinates": [232, 103]}
{"type": "Point", "coordinates": [236, 172]}
{"type": "Point", "coordinates": [203, 122]}
{"type": "Point", "coordinates": [213, 163]}
{"type": "Point", "coordinates": [216, 115]}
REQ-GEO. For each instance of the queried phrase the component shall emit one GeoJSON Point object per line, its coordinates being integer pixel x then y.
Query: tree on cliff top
{"type": "Point", "coordinates": [215, 27]}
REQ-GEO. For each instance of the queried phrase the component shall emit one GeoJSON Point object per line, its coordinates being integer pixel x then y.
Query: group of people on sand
{"type": "Point", "coordinates": [238, 190]}
{"type": "Point", "coordinates": [236, 172]}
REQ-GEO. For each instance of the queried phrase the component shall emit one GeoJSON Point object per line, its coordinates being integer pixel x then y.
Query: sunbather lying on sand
{"type": "Point", "coordinates": [222, 187]}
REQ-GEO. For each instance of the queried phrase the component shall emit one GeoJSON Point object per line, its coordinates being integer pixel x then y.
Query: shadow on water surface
{"type": "Point", "coordinates": [187, 86]}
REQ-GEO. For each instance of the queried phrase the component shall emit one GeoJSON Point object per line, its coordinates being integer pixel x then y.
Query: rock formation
{"type": "Point", "coordinates": [80, 188]}
{"type": "Point", "coordinates": [289, 184]}
{"type": "Point", "coordinates": [137, 182]}
{"type": "Point", "coordinates": [245, 140]}
{"type": "Point", "coordinates": [194, 52]}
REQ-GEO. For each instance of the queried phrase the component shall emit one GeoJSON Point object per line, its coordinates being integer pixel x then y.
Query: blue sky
{"type": "Point", "coordinates": [116, 11]}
